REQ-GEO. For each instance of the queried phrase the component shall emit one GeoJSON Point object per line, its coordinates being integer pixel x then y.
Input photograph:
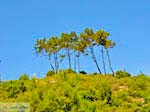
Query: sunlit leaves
{"type": "Point", "coordinates": [58, 48]}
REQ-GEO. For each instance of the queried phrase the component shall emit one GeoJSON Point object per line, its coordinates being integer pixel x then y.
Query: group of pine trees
{"type": "Point", "coordinates": [72, 45]}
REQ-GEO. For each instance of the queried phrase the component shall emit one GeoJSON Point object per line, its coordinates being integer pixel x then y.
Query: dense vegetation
{"type": "Point", "coordinates": [68, 91]}
{"type": "Point", "coordinates": [74, 90]}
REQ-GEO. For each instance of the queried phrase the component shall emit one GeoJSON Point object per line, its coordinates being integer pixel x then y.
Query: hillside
{"type": "Point", "coordinates": [68, 91]}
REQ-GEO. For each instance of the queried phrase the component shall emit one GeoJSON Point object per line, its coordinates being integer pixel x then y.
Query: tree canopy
{"type": "Point", "coordinates": [58, 48]}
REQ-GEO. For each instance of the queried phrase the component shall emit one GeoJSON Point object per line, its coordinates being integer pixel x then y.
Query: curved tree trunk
{"type": "Point", "coordinates": [94, 59]}
{"type": "Point", "coordinates": [107, 52]}
{"type": "Point", "coordinates": [102, 51]}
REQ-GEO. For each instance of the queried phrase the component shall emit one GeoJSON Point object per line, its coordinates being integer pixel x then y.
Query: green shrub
{"type": "Point", "coordinates": [122, 74]}
{"type": "Point", "coordinates": [50, 73]}
{"type": "Point", "coordinates": [95, 73]}
{"type": "Point", "coordinates": [140, 82]}
{"type": "Point", "coordinates": [83, 72]}
{"type": "Point", "coordinates": [14, 88]}
{"type": "Point", "coordinates": [80, 93]}
{"type": "Point", "coordinates": [24, 77]}
{"type": "Point", "coordinates": [67, 71]}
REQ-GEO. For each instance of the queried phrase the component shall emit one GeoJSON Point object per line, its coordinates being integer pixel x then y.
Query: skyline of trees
{"type": "Point", "coordinates": [71, 46]}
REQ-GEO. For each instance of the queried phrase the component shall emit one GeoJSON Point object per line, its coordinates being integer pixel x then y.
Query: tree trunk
{"type": "Point", "coordinates": [97, 66]}
{"type": "Point", "coordinates": [94, 59]}
{"type": "Point", "coordinates": [102, 51]}
{"type": "Point", "coordinates": [79, 62]}
{"type": "Point", "coordinates": [107, 52]}
{"type": "Point", "coordinates": [69, 58]}
{"type": "Point", "coordinates": [75, 60]}
{"type": "Point", "coordinates": [56, 62]}
{"type": "Point", "coordinates": [51, 64]}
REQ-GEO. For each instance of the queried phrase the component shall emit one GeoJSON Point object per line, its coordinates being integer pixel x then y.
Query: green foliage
{"type": "Point", "coordinates": [14, 88]}
{"type": "Point", "coordinates": [95, 73]}
{"type": "Point", "coordinates": [58, 48]}
{"type": "Point", "coordinates": [24, 77]}
{"type": "Point", "coordinates": [122, 74]}
{"type": "Point", "coordinates": [50, 73]}
{"type": "Point", "coordinates": [67, 71]}
{"type": "Point", "coordinates": [68, 91]}
{"type": "Point", "coordinates": [82, 72]}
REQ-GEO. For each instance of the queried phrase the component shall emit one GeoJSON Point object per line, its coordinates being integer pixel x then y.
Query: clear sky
{"type": "Point", "coordinates": [24, 21]}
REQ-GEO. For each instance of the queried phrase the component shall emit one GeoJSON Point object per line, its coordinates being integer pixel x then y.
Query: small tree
{"type": "Point", "coordinates": [80, 47]}
{"type": "Point", "coordinates": [54, 48]}
{"type": "Point", "coordinates": [75, 39]}
{"type": "Point", "coordinates": [100, 38]}
{"type": "Point", "coordinates": [66, 43]}
{"type": "Point", "coordinates": [88, 37]}
{"type": "Point", "coordinates": [44, 47]}
{"type": "Point", "coordinates": [50, 48]}
{"type": "Point", "coordinates": [109, 44]}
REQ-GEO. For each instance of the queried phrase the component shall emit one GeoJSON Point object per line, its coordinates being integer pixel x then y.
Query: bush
{"type": "Point", "coordinates": [50, 73]}
{"type": "Point", "coordinates": [14, 88]}
{"type": "Point", "coordinates": [80, 93]}
{"type": "Point", "coordinates": [24, 77]}
{"type": "Point", "coordinates": [140, 82]}
{"type": "Point", "coordinates": [95, 73]}
{"type": "Point", "coordinates": [82, 72]}
{"type": "Point", "coordinates": [122, 74]}
{"type": "Point", "coordinates": [67, 71]}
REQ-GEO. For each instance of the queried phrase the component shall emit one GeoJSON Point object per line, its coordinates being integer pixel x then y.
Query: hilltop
{"type": "Point", "coordinates": [68, 91]}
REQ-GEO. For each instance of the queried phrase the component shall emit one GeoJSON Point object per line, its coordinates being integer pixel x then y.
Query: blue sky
{"type": "Point", "coordinates": [24, 21]}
